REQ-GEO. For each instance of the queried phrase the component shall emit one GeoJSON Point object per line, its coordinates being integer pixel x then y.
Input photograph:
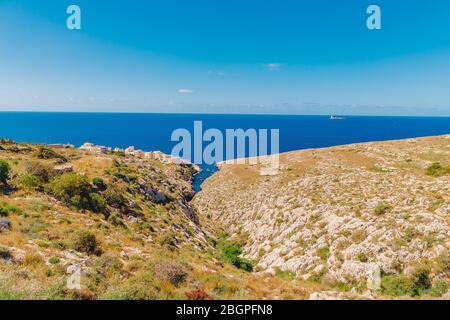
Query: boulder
{"type": "Point", "coordinates": [5, 225]}
{"type": "Point", "coordinates": [62, 169]}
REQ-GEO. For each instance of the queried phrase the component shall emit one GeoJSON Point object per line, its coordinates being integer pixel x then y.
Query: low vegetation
{"type": "Point", "coordinates": [85, 241]}
{"type": "Point", "coordinates": [437, 170]}
{"type": "Point", "coordinates": [382, 208]}
{"type": "Point", "coordinates": [75, 190]}
{"type": "Point", "coordinates": [231, 251]}
{"type": "Point", "coordinates": [47, 153]}
{"type": "Point", "coordinates": [4, 171]}
{"type": "Point", "coordinates": [418, 284]}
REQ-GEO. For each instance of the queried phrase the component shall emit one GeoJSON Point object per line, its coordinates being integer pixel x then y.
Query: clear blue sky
{"type": "Point", "coordinates": [239, 56]}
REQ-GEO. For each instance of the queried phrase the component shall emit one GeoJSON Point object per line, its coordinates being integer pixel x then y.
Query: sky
{"type": "Point", "coordinates": [226, 56]}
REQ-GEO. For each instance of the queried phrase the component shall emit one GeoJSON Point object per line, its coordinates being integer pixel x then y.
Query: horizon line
{"type": "Point", "coordinates": [226, 114]}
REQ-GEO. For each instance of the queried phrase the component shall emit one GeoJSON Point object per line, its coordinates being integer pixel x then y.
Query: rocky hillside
{"type": "Point", "coordinates": [82, 225]}
{"type": "Point", "coordinates": [342, 215]}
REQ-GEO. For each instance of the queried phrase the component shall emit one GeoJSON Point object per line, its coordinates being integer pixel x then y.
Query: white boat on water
{"type": "Point", "coordinates": [336, 118]}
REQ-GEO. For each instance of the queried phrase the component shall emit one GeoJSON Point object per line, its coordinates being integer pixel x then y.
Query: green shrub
{"type": "Point", "coordinates": [230, 252]}
{"type": "Point", "coordinates": [26, 180]}
{"type": "Point", "coordinates": [362, 257]}
{"type": "Point", "coordinates": [75, 190]}
{"type": "Point", "coordinates": [49, 272]}
{"type": "Point", "coordinates": [317, 277]}
{"type": "Point", "coordinates": [46, 153]}
{"type": "Point", "coordinates": [115, 198]}
{"type": "Point", "coordinates": [72, 189]}
{"type": "Point", "coordinates": [437, 170]}
{"type": "Point", "coordinates": [439, 288]}
{"type": "Point", "coordinates": [244, 264]}
{"type": "Point", "coordinates": [123, 172]}
{"type": "Point", "coordinates": [99, 183]}
{"type": "Point", "coordinates": [421, 278]}
{"type": "Point", "coordinates": [3, 212]}
{"type": "Point", "coordinates": [6, 209]}
{"type": "Point", "coordinates": [5, 254]}
{"type": "Point", "coordinates": [54, 260]}
{"type": "Point", "coordinates": [443, 263]}
{"type": "Point", "coordinates": [287, 275]}
{"type": "Point", "coordinates": [4, 171]}
{"type": "Point", "coordinates": [97, 204]}
{"type": "Point", "coordinates": [85, 241]}
{"type": "Point", "coordinates": [323, 253]}
{"type": "Point", "coordinates": [397, 286]}
{"type": "Point", "coordinates": [382, 208]}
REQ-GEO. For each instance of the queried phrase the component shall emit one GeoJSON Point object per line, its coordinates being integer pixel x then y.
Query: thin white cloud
{"type": "Point", "coordinates": [185, 91]}
{"type": "Point", "coordinates": [273, 66]}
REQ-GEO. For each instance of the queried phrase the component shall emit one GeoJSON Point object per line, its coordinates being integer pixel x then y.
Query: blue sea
{"type": "Point", "coordinates": [153, 131]}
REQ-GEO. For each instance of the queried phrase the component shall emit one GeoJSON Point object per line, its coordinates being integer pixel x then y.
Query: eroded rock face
{"type": "Point", "coordinates": [338, 212]}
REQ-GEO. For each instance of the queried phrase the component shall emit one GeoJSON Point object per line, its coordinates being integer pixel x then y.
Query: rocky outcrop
{"type": "Point", "coordinates": [62, 169]}
{"type": "Point", "coordinates": [5, 225]}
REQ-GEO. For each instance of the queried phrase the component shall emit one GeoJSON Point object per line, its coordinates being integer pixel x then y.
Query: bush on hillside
{"type": "Point", "coordinates": [115, 198]}
{"type": "Point", "coordinates": [231, 252]}
{"type": "Point", "coordinates": [5, 254]}
{"type": "Point", "coordinates": [99, 183]}
{"type": "Point", "coordinates": [323, 253]}
{"type": "Point", "coordinates": [26, 180]}
{"type": "Point", "coordinates": [6, 209]}
{"type": "Point", "coordinates": [397, 286]}
{"type": "Point", "coordinates": [437, 170]}
{"type": "Point", "coordinates": [421, 278]}
{"type": "Point", "coordinates": [75, 190]}
{"type": "Point", "coordinates": [4, 171]}
{"type": "Point", "coordinates": [170, 272]}
{"type": "Point", "coordinates": [46, 153]}
{"type": "Point", "coordinates": [382, 208]}
{"type": "Point", "coordinates": [439, 288]}
{"type": "Point", "coordinates": [85, 241]}
{"type": "Point", "coordinates": [97, 203]}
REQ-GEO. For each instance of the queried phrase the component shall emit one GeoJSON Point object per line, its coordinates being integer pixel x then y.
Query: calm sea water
{"type": "Point", "coordinates": [153, 131]}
